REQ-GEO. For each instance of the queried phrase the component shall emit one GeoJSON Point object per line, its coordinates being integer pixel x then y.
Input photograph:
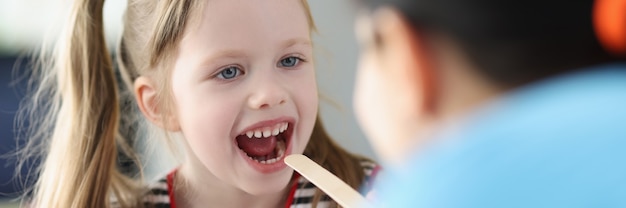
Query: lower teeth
{"type": "Point", "coordinates": [280, 152]}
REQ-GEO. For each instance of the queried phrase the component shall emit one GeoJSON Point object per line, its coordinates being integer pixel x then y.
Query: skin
{"type": "Point", "coordinates": [410, 83]}
{"type": "Point", "coordinates": [211, 109]}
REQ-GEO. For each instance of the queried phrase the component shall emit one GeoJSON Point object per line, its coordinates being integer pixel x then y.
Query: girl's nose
{"type": "Point", "coordinates": [267, 95]}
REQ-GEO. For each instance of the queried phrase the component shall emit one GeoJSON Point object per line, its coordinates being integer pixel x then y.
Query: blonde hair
{"type": "Point", "coordinates": [75, 110]}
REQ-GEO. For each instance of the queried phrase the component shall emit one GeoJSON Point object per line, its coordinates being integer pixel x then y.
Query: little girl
{"type": "Point", "coordinates": [234, 78]}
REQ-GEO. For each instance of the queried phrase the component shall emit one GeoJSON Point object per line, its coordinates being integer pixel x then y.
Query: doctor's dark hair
{"type": "Point", "coordinates": [512, 42]}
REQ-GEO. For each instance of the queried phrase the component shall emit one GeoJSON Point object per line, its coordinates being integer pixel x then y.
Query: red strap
{"type": "Point", "coordinates": [170, 188]}
{"type": "Point", "coordinates": [292, 192]}
{"type": "Point", "coordinates": [375, 172]}
{"type": "Point", "coordinates": [609, 20]}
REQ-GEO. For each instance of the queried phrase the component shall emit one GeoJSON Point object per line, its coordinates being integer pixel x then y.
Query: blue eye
{"type": "Point", "coordinates": [290, 61]}
{"type": "Point", "coordinates": [229, 73]}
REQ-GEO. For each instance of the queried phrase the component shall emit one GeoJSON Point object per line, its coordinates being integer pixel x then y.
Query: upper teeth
{"type": "Point", "coordinates": [268, 131]}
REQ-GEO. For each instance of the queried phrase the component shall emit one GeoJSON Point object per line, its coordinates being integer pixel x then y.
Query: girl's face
{"type": "Point", "coordinates": [245, 91]}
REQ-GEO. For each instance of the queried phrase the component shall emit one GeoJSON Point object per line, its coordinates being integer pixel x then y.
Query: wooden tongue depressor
{"type": "Point", "coordinates": [327, 182]}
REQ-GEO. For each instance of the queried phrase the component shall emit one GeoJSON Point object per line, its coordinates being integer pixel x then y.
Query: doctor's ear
{"type": "Point", "coordinates": [403, 52]}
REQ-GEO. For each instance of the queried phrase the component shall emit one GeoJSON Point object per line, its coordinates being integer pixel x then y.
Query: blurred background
{"type": "Point", "coordinates": [25, 23]}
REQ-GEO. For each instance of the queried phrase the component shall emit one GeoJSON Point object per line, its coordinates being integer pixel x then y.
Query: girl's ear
{"type": "Point", "coordinates": [405, 52]}
{"type": "Point", "coordinates": [146, 96]}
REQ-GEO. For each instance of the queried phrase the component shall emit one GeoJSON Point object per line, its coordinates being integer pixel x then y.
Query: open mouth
{"type": "Point", "coordinates": [266, 145]}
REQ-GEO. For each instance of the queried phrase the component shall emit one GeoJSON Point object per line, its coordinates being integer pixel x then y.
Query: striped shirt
{"type": "Point", "coordinates": [300, 195]}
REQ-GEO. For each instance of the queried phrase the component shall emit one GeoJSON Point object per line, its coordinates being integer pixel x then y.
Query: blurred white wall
{"type": "Point", "coordinates": [337, 53]}
{"type": "Point", "coordinates": [25, 23]}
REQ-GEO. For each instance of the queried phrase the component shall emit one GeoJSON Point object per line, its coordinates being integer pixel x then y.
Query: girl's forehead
{"type": "Point", "coordinates": [234, 19]}
{"type": "Point", "coordinates": [245, 28]}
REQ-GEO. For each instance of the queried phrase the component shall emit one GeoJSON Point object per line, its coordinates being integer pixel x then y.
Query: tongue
{"type": "Point", "coordinates": [256, 147]}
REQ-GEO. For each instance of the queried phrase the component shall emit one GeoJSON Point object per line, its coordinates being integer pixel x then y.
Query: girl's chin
{"type": "Point", "coordinates": [270, 185]}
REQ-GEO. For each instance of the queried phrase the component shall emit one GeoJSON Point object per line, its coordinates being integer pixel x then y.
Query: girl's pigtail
{"type": "Point", "coordinates": [79, 166]}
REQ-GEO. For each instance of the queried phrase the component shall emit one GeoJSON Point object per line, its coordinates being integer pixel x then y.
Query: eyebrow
{"type": "Point", "coordinates": [296, 41]}
{"type": "Point", "coordinates": [233, 54]}
{"type": "Point", "coordinates": [227, 54]}
{"type": "Point", "coordinates": [236, 53]}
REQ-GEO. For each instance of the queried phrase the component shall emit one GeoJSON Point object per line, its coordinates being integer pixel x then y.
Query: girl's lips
{"type": "Point", "coordinates": [279, 164]}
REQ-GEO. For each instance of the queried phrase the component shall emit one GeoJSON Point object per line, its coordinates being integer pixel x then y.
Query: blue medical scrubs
{"type": "Point", "coordinates": [560, 142]}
